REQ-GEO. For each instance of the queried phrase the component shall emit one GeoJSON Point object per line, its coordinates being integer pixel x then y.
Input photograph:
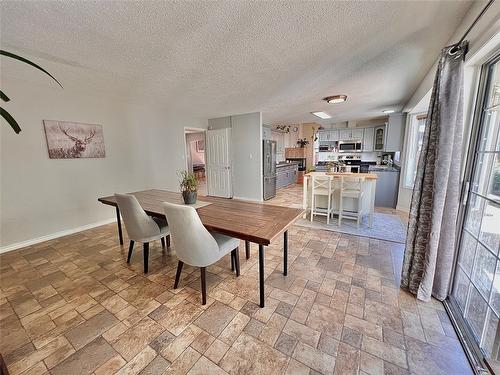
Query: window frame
{"type": "Point", "coordinates": [411, 164]}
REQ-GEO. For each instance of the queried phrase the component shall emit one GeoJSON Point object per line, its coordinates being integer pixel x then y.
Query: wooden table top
{"type": "Point", "coordinates": [250, 221]}
{"type": "Point", "coordinates": [367, 176]}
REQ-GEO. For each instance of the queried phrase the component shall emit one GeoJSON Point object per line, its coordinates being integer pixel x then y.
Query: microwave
{"type": "Point", "coordinates": [350, 146]}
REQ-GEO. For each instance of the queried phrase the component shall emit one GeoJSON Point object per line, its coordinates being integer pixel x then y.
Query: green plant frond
{"type": "Point", "coordinates": [13, 123]}
{"type": "Point", "coordinates": [188, 181]}
{"type": "Point", "coordinates": [26, 61]}
{"type": "Point", "coordinates": [4, 97]}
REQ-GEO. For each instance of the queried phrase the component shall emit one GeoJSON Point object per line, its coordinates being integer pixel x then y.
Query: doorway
{"type": "Point", "coordinates": [195, 156]}
{"type": "Point", "coordinates": [475, 298]}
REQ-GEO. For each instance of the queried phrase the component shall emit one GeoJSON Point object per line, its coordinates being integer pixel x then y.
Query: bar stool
{"type": "Point", "coordinates": [322, 186]}
{"type": "Point", "coordinates": [351, 187]}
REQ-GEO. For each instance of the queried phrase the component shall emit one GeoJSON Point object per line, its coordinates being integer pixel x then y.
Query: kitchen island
{"type": "Point", "coordinates": [367, 205]}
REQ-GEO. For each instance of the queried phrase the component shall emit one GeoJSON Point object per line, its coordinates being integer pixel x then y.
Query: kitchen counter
{"type": "Point", "coordinates": [366, 206]}
{"type": "Point", "coordinates": [286, 164]}
{"type": "Point", "coordinates": [367, 176]}
{"type": "Point", "coordinates": [383, 169]}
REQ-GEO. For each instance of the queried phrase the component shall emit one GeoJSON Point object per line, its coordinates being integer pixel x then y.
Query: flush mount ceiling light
{"type": "Point", "coordinates": [388, 111]}
{"type": "Point", "coordinates": [322, 115]}
{"type": "Point", "coordinates": [335, 99]}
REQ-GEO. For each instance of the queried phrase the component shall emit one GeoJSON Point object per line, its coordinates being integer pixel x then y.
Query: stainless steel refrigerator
{"type": "Point", "coordinates": [269, 160]}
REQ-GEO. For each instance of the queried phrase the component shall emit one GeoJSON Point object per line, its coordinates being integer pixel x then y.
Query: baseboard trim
{"type": "Point", "coordinates": [404, 209]}
{"type": "Point", "coordinates": [248, 199]}
{"type": "Point", "coordinates": [34, 241]}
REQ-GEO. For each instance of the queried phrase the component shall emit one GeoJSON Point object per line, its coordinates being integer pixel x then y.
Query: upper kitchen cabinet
{"type": "Point", "coordinates": [333, 135]}
{"type": "Point", "coordinates": [328, 135]}
{"type": "Point", "coordinates": [350, 134]}
{"type": "Point", "coordinates": [379, 139]}
{"type": "Point", "coordinates": [279, 137]}
{"type": "Point", "coordinates": [395, 132]}
{"type": "Point", "coordinates": [267, 133]}
{"type": "Point", "coordinates": [345, 134]}
{"type": "Point", "coordinates": [368, 139]}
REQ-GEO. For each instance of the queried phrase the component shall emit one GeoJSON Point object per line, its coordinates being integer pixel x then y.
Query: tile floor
{"type": "Point", "coordinates": [73, 306]}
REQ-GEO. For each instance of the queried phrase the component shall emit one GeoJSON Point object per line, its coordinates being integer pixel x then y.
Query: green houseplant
{"type": "Point", "coordinates": [6, 115]}
{"type": "Point", "coordinates": [189, 187]}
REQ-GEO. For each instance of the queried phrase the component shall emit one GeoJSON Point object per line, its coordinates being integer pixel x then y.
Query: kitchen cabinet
{"type": "Point", "coordinates": [267, 133]}
{"type": "Point", "coordinates": [386, 194]}
{"type": "Point", "coordinates": [286, 174]}
{"type": "Point", "coordinates": [379, 139]}
{"type": "Point", "coordinates": [323, 135]}
{"type": "Point", "coordinates": [368, 139]}
{"type": "Point", "coordinates": [395, 132]}
{"type": "Point", "coordinates": [328, 135]}
{"type": "Point", "coordinates": [345, 134]}
{"type": "Point", "coordinates": [279, 137]}
{"type": "Point", "coordinates": [350, 134]}
{"type": "Point", "coordinates": [333, 135]}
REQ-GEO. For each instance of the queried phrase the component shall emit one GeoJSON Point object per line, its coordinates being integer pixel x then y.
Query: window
{"type": "Point", "coordinates": [415, 137]}
{"type": "Point", "coordinates": [476, 285]}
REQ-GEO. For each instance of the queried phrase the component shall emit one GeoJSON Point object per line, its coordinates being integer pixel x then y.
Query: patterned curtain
{"type": "Point", "coordinates": [430, 243]}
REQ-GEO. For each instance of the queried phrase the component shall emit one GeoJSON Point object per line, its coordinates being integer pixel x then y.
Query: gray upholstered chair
{"type": "Point", "coordinates": [195, 245]}
{"type": "Point", "coordinates": [141, 227]}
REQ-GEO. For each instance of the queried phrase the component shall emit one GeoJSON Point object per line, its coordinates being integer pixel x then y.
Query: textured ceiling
{"type": "Point", "coordinates": [219, 58]}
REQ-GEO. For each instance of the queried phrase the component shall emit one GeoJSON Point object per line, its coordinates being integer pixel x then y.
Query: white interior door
{"type": "Point", "coordinates": [218, 163]}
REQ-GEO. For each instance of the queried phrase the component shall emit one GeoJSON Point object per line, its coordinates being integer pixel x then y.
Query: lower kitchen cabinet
{"type": "Point", "coordinates": [386, 194]}
{"type": "Point", "coordinates": [286, 175]}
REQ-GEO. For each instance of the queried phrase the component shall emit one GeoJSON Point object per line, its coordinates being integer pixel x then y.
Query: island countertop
{"type": "Point", "coordinates": [368, 176]}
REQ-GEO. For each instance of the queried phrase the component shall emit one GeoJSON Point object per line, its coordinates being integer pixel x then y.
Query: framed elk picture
{"type": "Point", "coordinates": [70, 140]}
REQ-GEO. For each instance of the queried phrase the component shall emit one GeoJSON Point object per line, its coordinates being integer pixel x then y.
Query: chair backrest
{"type": "Point", "coordinates": [139, 225]}
{"type": "Point", "coordinates": [193, 243]}
{"type": "Point", "coordinates": [351, 183]}
{"type": "Point", "coordinates": [321, 183]}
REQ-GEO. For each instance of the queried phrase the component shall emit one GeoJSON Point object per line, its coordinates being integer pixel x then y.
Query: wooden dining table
{"type": "Point", "coordinates": [252, 222]}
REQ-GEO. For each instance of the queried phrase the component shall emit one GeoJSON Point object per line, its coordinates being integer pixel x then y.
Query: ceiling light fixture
{"type": "Point", "coordinates": [322, 115]}
{"type": "Point", "coordinates": [388, 111]}
{"type": "Point", "coordinates": [335, 99]}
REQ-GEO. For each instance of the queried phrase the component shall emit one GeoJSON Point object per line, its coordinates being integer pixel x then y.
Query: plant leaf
{"type": "Point", "coordinates": [26, 61]}
{"type": "Point", "coordinates": [4, 97]}
{"type": "Point", "coordinates": [13, 123]}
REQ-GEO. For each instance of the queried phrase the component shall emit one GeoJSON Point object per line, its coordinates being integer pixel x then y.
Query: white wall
{"type": "Point", "coordinates": [246, 148]}
{"type": "Point", "coordinates": [246, 135]}
{"type": "Point", "coordinates": [42, 197]}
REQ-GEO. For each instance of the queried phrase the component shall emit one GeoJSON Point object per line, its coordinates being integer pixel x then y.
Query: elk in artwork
{"type": "Point", "coordinates": [69, 140]}
{"type": "Point", "coordinates": [80, 145]}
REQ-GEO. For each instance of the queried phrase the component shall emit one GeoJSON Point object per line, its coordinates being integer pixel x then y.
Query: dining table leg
{"type": "Point", "coordinates": [119, 223]}
{"type": "Point", "coordinates": [285, 253]}
{"type": "Point", "coordinates": [261, 274]}
{"type": "Point", "coordinates": [247, 249]}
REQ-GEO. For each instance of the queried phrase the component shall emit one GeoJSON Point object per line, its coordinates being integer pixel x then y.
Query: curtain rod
{"type": "Point", "coordinates": [455, 48]}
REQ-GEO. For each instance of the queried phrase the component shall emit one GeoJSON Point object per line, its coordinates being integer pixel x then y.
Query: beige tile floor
{"type": "Point", "coordinates": [73, 306]}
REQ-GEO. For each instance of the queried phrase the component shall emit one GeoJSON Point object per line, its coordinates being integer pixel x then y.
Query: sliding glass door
{"type": "Point", "coordinates": [476, 286]}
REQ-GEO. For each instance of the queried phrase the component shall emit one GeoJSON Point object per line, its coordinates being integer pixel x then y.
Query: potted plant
{"type": "Point", "coordinates": [189, 186]}
{"type": "Point", "coordinates": [302, 142]}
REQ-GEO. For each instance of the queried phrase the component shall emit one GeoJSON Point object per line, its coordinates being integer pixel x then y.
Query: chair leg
{"type": "Point", "coordinates": [236, 255]}
{"type": "Point", "coordinates": [130, 249]}
{"type": "Point", "coordinates": [168, 241]}
{"type": "Point", "coordinates": [312, 208]}
{"type": "Point", "coordinates": [146, 256]}
{"type": "Point", "coordinates": [203, 286]}
{"type": "Point", "coordinates": [162, 242]}
{"type": "Point", "coordinates": [232, 261]}
{"type": "Point", "coordinates": [178, 274]}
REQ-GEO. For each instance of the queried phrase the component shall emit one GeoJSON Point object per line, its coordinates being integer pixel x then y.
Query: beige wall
{"type": "Point", "coordinates": [41, 198]}
{"type": "Point", "coordinates": [307, 131]}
